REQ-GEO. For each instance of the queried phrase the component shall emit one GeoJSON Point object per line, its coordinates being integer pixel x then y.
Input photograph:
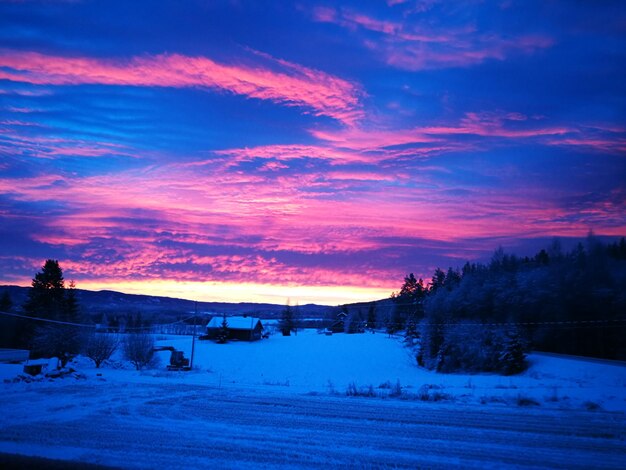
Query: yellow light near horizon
{"type": "Point", "coordinates": [246, 292]}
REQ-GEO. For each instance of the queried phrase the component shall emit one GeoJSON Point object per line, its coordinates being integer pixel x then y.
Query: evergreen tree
{"type": "Point", "coordinates": [411, 289]}
{"type": "Point", "coordinates": [453, 278]}
{"type": "Point", "coordinates": [438, 280]}
{"type": "Point", "coordinates": [542, 257]}
{"type": "Point", "coordinates": [354, 322]}
{"type": "Point", "coordinates": [71, 310]}
{"type": "Point", "coordinates": [286, 320]}
{"type": "Point", "coordinates": [512, 359]}
{"type": "Point", "coordinates": [586, 283]}
{"type": "Point", "coordinates": [371, 316]}
{"type": "Point", "coordinates": [222, 335]}
{"type": "Point", "coordinates": [408, 303]}
{"type": "Point", "coordinates": [411, 333]}
{"type": "Point", "coordinates": [296, 318]}
{"type": "Point", "coordinates": [46, 297]}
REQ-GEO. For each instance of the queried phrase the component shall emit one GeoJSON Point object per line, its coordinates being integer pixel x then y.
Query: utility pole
{"type": "Point", "coordinates": [193, 339]}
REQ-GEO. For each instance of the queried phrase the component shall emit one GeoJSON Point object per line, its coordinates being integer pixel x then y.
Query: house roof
{"type": "Point", "coordinates": [235, 323]}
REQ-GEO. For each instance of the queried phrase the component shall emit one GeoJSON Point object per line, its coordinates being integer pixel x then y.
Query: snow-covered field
{"type": "Point", "coordinates": [282, 401]}
{"type": "Point", "coordinates": [312, 362]}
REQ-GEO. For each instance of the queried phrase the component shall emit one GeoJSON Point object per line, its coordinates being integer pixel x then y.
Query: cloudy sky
{"type": "Point", "coordinates": [305, 150]}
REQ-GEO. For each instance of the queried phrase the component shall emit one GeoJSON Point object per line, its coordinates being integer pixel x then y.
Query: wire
{"type": "Point", "coordinates": [87, 325]}
{"type": "Point", "coordinates": [564, 324]}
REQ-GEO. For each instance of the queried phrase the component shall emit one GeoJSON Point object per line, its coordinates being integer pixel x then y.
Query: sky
{"type": "Point", "coordinates": [311, 151]}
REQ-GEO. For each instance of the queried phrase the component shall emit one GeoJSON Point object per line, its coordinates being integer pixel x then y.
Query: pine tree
{"type": "Point", "coordinates": [222, 335]}
{"type": "Point", "coordinates": [71, 310]}
{"type": "Point", "coordinates": [48, 298]}
{"type": "Point", "coordinates": [296, 318]}
{"type": "Point", "coordinates": [513, 356]}
{"type": "Point", "coordinates": [371, 316]}
{"type": "Point", "coordinates": [411, 334]}
{"type": "Point", "coordinates": [453, 278]}
{"type": "Point", "coordinates": [438, 280]}
{"type": "Point", "coordinates": [408, 303]}
{"type": "Point", "coordinates": [286, 320]}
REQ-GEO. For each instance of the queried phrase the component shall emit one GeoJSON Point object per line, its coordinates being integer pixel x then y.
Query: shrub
{"type": "Point", "coordinates": [592, 406]}
{"type": "Point", "coordinates": [354, 391]}
{"type": "Point", "coordinates": [396, 391]}
{"type": "Point", "coordinates": [99, 347]}
{"type": "Point", "coordinates": [139, 349]}
{"type": "Point", "coordinates": [526, 401]}
{"type": "Point", "coordinates": [429, 392]}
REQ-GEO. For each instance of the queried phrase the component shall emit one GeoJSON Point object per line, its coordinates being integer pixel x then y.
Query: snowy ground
{"type": "Point", "coordinates": [313, 362]}
{"type": "Point", "coordinates": [271, 403]}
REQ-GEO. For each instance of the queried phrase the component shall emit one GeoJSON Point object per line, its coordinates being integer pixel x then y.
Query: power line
{"type": "Point", "coordinates": [564, 323]}
{"type": "Point", "coordinates": [88, 325]}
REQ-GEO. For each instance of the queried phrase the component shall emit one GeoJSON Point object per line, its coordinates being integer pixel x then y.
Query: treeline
{"type": "Point", "coordinates": [481, 316]}
{"type": "Point", "coordinates": [58, 326]}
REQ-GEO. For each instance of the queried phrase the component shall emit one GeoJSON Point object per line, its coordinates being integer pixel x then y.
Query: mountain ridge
{"type": "Point", "coordinates": [97, 303]}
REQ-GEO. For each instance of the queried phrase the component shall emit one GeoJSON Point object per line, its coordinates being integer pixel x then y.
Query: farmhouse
{"type": "Point", "coordinates": [339, 325]}
{"type": "Point", "coordinates": [242, 328]}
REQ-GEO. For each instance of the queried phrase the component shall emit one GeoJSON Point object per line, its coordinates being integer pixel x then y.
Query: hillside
{"type": "Point", "coordinates": [96, 303]}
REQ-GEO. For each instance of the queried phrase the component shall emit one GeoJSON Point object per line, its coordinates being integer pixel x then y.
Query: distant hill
{"type": "Point", "coordinates": [96, 303]}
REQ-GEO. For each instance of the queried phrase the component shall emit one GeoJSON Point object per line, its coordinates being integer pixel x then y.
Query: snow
{"type": "Point", "coordinates": [282, 401]}
{"type": "Point", "coordinates": [312, 362]}
{"type": "Point", "coordinates": [234, 323]}
{"type": "Point", "coordinates": [315, 363]}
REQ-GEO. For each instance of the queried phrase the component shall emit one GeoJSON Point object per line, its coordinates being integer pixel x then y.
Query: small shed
{"type": "Point", "coordinates": [243, 328]}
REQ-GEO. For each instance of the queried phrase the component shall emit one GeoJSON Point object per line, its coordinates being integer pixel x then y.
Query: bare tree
{"type": "Point", "coordinates": [139, 349]}
{"type": "Point", "coordinates": [99, 347]}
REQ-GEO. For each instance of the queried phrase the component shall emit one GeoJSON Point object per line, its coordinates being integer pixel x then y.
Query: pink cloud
{"type": "Point", "coordinates": [292, 152]}
{"type": "Point", "coordinates": [156, 223]}
{"type": "Point", "coordinates": [458, 52]}
{"type": "Point", "coordinates": [282, 82]}
{"type": "Point", "coordinates": [288, 212]}
{"type": "Point", "coordinates": [437, 139]}
{"type": "Point", "coordinates": [324, 14]}
{"type": "Point", "coordinates": [15, 109]}
{"type": "Point", "coordinates": [368, 139]}
{"type": "Point", "coordinates": [50, 148]}
{"type": "Point", "coordinates": [419, 45]}
{"type": "Point", "coordinates": [596, 143]}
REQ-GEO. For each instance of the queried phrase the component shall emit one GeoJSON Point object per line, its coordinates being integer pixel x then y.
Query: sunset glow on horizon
{"type": "Point", "coordinates": [233, 151]}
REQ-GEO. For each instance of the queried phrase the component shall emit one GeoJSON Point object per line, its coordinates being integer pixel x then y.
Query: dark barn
{"type": "Point", "coordinates": [241, 328]}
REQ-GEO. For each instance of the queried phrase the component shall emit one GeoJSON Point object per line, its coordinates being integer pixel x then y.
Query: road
{"type": "Point", "coordinates": [170, 425]}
